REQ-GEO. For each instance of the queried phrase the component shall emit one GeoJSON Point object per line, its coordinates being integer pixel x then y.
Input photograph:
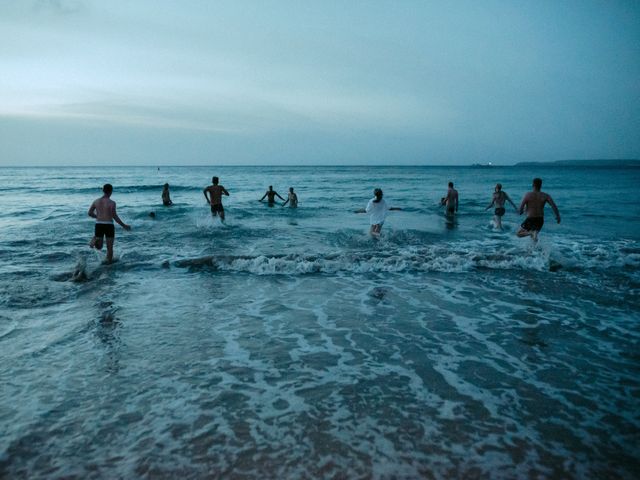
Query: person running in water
{"type": "Point", "coordinates": [103, 209]}
{"type": "Point", "coordinates": [533, 202]}
{"type": "Point", "coordinates": [451, 200]}
{"type": "Point", "coordinates": [271, 196]}
{"type": "Point", "coordinates": [214, 198]}
{"type": "Point", "coordinates": [499, 199]}
{"type": "Point", "coordinates": [166, 197]}
{"type": "Point", "coordinates": [377, 207]}
{"type": "Point", "coordinates": [292, 199]}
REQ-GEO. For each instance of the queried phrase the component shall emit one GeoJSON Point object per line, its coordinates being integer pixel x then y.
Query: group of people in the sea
{"type": "Point", "coordinates": [103, 209]}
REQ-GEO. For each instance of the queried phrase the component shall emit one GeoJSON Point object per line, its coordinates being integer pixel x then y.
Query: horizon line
{"type": "Point", "coordinates": [476, 165]}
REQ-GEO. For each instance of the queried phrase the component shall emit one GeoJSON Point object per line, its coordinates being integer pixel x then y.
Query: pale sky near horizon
{"type": "Point", "coordinates": [323, 82]}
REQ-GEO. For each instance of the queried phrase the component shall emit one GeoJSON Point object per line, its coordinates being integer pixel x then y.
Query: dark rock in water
{"type": "Point", "coordinates": [378, 293]}
{"type": "Point", "coordinates": [79, 273]}
{"type": "Point", "coordinates": [195, 262]}
{"type": "Point", "coordinates": [166, 264]}
{"type": "Point", "coordinates": [107, 316]}
{"type": "Point", "coordinates": [79, 276]}
{"type": "Point", "coordinates": [554, 266]}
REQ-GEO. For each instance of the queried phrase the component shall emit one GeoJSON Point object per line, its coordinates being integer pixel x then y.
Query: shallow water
{"type": "Point", "coordinates": [289, 344]}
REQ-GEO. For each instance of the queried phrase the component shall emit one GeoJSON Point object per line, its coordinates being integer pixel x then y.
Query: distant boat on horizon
{"type": "Point", "coordinates": [482, 165]}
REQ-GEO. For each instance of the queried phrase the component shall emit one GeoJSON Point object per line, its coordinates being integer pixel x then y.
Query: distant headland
{"type": "Point", "coordinates": [596, 163]}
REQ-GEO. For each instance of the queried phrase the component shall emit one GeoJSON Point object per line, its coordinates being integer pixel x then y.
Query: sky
{"type": "Point", "coordinates": [159, 82]}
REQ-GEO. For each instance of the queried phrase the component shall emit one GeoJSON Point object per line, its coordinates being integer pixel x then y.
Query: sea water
{"type": "Point", "coordinates": [288, 343]}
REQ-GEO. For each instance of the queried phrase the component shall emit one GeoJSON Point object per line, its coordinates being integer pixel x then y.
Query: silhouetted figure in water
{"type": "Point", "coordinates": [166, 197]}
{"type": "Point", "coordinates": [103, 210]}
{"type": "Point", "coordinates": [292, 199]}
{"type": "Point", "coordinates": [498, 200]}
{"type": "Point", "coordinates": [378, 209]}
{"type": "Point", "coordinates": [450, 201]}
{"type": "Point", "coordinates": [271, 195]}
{"type": "Point", "coordinates": [534, 202]}
{"type": "Point", "coordinates": [214, 199]}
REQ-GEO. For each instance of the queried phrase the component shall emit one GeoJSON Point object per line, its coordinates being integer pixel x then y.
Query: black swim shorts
{"type": "Point", "coordinates": [105, 230]}
{"type": "Point", "coordinates": [217, 208]}
{"type": "Point", "coordinates": [533, 224]}
{"type": "Point", "coordinates": [499, 211]}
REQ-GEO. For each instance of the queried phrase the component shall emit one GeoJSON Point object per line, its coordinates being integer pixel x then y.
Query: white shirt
{"type": "Point", "coordinates": [378, 211]}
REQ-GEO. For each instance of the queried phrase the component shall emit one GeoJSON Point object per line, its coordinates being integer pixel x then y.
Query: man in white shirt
{"type": "Point", "coordinates": [377, 208]}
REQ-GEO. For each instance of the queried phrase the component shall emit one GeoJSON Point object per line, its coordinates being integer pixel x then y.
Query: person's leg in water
{"type": "Point", "coordinates": [497, 218]}
{"type": "Point", "coordinates": [96, 242]}
{"type": "Point", "coordinates": [218, 210]}
{"type": "Point", "coordinates": [110, 241]}
{"type": "Point", "coordinates": [375, 230]}
{"type": "Point", "coordinates": [531, 228]}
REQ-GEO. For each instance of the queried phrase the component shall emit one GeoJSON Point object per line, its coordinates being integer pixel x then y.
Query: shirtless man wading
{"type": "Point", "coordinates": [498, 200]}
{"type": "Point", "coordinates": [451, 200]}
{"type": "Point", "coordinates": [534, 203]}
{"type": "Point", "coordinates": [270, 195]}
{"type": "Point", "coordinates": [215, 192]}
{"type": "Point", "coordinates": [103, 210]}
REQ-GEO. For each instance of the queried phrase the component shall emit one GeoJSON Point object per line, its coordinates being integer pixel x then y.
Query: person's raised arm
{"type": "Point", "coordinates": [285, 202]}
{"type": "Point", "coordinates": [509, 200]}
{"type": "Point", "coordinates": [224, 190]}
{"type": "Point", "coordinates": [92, 210]}
{"type": "Point", "coordinates": [554, 208]}
{"type": "Point", "coordinates": [117, 218]}
{"type": "Point", "coordinates": [204, 191]}
{"type": "Point", "coordinates": [279, 196]}
{"type": "Point", "coordinates": [395, 208]}
{"type": "Point", "coordinates": [263, 197]}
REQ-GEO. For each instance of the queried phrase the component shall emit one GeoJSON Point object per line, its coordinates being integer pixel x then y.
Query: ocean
{"type": "Point", "coordinates": [288, 343]}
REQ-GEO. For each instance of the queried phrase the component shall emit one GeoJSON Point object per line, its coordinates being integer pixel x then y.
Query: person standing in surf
{"type": "Point", "coordinates": [533, 202]}
{"type": "Point", "coordinates": [166, 197]}
{"type": "Point", "coordinates": [215, 191]}
{"type": "Point", "coordinates": [377, 207]}
{"type": "Point", "coordinates": [271, 195]}
{"type": "Point", "coordinates": [499, 199]}
{"type": "Point", "coordinates": [103, 209]}
{"type": "Point", "coordinates": [292, 199]}
{"type": "Point", "coordinates": [450, 201]}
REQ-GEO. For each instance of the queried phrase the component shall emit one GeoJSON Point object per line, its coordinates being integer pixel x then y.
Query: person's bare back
{"type": "Point", "coordinates": [533, 202]}
{"type": "Point", "coordinates": [215, 193]}
{"type": "Point", "coordinates": [214, 199]}
{"type": "Point", "coordinates": [104, 209]}
{"type": "Point", "coordinates": [451, 200]}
